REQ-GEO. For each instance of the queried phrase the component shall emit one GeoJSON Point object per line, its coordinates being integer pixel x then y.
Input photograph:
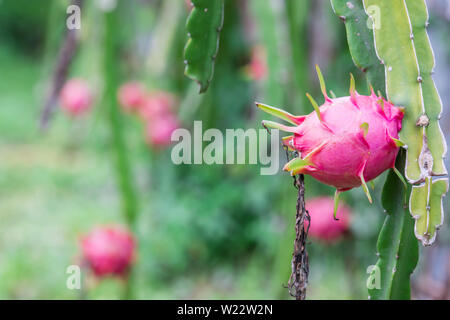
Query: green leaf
{"type": "Point", "coordinates": [203, 26]}
{"type": "Point", "coordinates": [397, 246]}
{"type": "Point", "coordinates": [360, 40]}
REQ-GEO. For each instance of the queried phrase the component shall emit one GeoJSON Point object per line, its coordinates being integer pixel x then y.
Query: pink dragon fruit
{"type": "Point", "coordinates": [322, 225]}
{"type": "Point", "coordinates": [346, 142]}
{"type": "Point", "coordinates": [131, 96]}
{"type": "Point", "coordinates": [156, 104]}
{"type": "Point", "coordinates": [108, 250]}
{"type": "Point", "coordinates": [159, 130]}
{"type": "Point", "coordinates": [188, 4]}
{"type": "Point", "coordinates": [76, 97]}
{"type": "Point", "coordinates": [257, 68]}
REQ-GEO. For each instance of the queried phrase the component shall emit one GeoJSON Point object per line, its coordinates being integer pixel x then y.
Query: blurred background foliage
{"type": "Point", "coordinates": [204, 231]}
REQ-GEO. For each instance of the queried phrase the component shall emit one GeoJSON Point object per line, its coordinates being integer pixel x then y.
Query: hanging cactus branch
{"type": "Point", "coordinates": [402, 44]}
{"type": "Point", "coordinates": [203, 27]}
{"type": "Point", "coordinates": [433, 105]}
{"type": "Point", "coordinates": [360, 40]}
{"type": "Point", "coordinates": [427, 208]}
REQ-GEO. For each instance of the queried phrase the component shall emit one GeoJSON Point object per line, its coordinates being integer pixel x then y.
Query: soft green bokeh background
{"type": "Point", "coordinates": [204, 232]}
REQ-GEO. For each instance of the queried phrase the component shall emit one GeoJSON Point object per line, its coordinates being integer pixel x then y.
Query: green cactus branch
{"type": "Point", "coordinates": [433, 105]}
{"type": "Point", "coordinates": [399, 41]}
{"type": "Point", "coordinates": [395, 47]}
{"type": "Point", "coordinates": [426, 208]}
{"type": "Point", "coordinates": [203, 27]}
{"type": "Point", "coordinates": [123, 167]}
{"type": "Point", "coordinates": [403, 45]}
{"type": "Point", "coordinates": [297, 14]}
{"type": "Point", "coordinates": [268, 25]}
{"type": "Point", "coordinates": [397, 247]}
{"type": "Point", "coordinates": [129, 199]}
{"type": "Point", "coordinates": [360, 40]}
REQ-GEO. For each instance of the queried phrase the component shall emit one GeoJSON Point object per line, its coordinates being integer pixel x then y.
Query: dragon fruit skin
{"type": "Point", "coordinates": [76, 97]}
{"type": "Point", "coordinates": [108, 250]}
{"type": "Point", "coordinates": [346, 142]}
{"type": "Point", "coordinates": [322, 225]}
{"type": "Point", "coordinates": [131, 96]}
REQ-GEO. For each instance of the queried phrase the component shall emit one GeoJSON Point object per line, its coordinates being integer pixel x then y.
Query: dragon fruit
{"type": "Point", "coordinates": [257, 68]}
{"type": "Point", "coordinates": [156, 104]}
{"type": "Point", "coordinates": [76, 97]}
{"type": "Point", "coordinates": [322, 225]}
{"type": "Point", "coordinates": [131, 96]}
{"type": "Point", "coordinates": [108, 250]}
{"type": "Point", "coordinates": [159, 129]}
{"type": "Point", "coordinates": [346, 142]}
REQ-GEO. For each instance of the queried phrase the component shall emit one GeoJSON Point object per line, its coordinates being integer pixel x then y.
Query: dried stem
{"type": "Point", "coordinates": [298, 280]}
{"type": "Point", "coordinates": [65, 57]}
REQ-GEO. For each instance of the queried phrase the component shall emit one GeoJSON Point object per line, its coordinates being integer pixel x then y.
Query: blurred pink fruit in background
{"type": "Point", "coordinates": [156, 104]}
{"type": "Point", "coordinates": [76, 97]}
{"type": "Point", "coordinates": [188, 4]}
{"type": "Point", "coordinates": [257, 68]}
{"type": "Point", "coordinates": [159, 129]}
{"type": "Point", "coordinates": [131, 96]}
{"type": "Point", "coordinates": [108, 250]}
{"type": "Point", "coordinates": [323, 226]}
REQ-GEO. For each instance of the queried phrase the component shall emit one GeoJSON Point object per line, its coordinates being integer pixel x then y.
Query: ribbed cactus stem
{"type": "Point", "coordinates": [203, 29]}
{"type": "Point", "coordinates": [402, 44]}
